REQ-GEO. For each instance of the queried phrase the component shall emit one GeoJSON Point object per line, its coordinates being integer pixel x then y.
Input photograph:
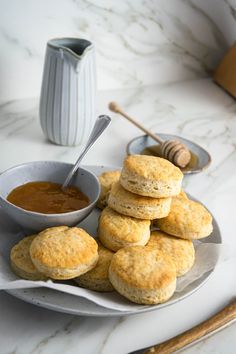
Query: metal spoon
{"type": "Point", "coordinates": [100, 125]}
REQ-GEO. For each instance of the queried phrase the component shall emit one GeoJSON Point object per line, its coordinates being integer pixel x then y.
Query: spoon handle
{"type": "Point", "coordinates": [100, 125]}
{"type": "Point", "coordinates": [215, 323]}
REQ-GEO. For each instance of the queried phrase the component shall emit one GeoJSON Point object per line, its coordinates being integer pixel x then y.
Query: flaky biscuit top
{"type": "Point", "coordinates": [20, 255]}
{"type": "Point", "coordinates": [182, 195]}
{"type": "Point", "coordinates": [152, 167]}
{"type": "Point", "coordinates": [120, 193]}
{"type": "Point", "coordinates": [63, 247]}
{"type": "Point", "coordinates": [180, 250]}
{"type": "Point", "coordinates": [169, 243]}
{"type": "Point", "coordinates": [122, 226]}
{"type": "Point", "coordinates": [143, 268]}
{"type": "Point", "coordinates": [187, 214]}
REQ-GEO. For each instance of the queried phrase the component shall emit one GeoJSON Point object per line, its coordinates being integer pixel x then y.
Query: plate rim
{"type": "Point", "coordinates": [19, 293]}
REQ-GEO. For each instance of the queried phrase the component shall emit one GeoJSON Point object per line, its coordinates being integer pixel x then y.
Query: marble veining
{"type": "Point", "coordinates": [198, 110]}
{"type": "Point", "coordinates": [137, 43]}
{"type": "Point", "coordinates": [142, 48]}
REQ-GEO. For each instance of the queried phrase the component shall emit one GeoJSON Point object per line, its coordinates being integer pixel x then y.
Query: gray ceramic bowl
{"type": "Point", "coordinates": [138, 144]}
{"type": "Point", "coordinates": [51, 171]}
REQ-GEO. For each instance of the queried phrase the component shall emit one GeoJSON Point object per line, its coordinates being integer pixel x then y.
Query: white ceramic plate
{"type": "Point", "coordinates": [63, 302]}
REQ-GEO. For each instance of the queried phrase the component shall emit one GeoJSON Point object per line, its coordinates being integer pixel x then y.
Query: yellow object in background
{"type": "Point", "coordinates": [225, 74]}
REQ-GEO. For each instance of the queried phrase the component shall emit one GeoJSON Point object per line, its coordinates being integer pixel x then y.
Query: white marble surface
{"type": "Point", "coordinates": [198, 110]}
{"type": "Point", "coordinates": [138, 42]}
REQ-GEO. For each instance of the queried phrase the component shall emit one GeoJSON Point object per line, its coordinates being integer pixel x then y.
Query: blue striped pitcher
{"type": "Point", "coordinates": [67, 100]}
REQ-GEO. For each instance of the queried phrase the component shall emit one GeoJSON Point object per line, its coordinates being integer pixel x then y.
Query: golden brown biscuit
{"type": "Point", "coordinates": [182, 194]}
{"type": "Point", "coordinates": [21, 262]}
{"type": "Point", "coordinates": [187, 219]}
{"type": "Point", "coordinates": [151, 176]}
{"type": "Point", "coordinates": [179, 250]}
{"type": "Point", "coordinates": [139, 207]}
{"type": "Point", "coordinates": [116, 231]}
{"type": "Point", "coordinates": [63, 252]}
{"type": "Point", "coordinates": [143, 275]}
{"type": "Point", "coordinates": [97, 278]}
{"type": "Point", "coordinates": [106, 180]}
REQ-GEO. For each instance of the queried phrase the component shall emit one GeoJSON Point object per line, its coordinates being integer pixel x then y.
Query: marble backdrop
{"type": "Point", "coordinates": [197, 110]}
{"type": "Point", "coordinates": [138, 42]}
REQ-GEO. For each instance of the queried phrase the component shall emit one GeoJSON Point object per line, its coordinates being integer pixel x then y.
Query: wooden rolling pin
{"type": "Point", "coordinates": [172, 150]}
{"type": "Point", "coordinates": [213, 324]}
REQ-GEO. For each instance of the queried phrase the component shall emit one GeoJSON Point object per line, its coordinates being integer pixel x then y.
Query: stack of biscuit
{"type": "Point", "coordinates": [140, 264]}
{"type": "Point", "coordinates": [146, 264]}
{"type": "Point", "coordinates": [141, 193]}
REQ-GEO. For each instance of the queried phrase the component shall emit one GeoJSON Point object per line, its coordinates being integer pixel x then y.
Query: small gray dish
{"type": "Point", "coordinates": [51, 171]}
{"type": "Point", "coordinates": [200, 160]}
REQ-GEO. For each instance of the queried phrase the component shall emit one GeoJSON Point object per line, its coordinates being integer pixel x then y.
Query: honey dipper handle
{"type": "Point", "coordinates": [114, 107]}
{"type": "Point", "coordinates": [214, 323]}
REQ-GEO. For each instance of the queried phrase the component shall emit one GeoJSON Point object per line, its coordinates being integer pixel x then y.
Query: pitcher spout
{"type": "Point", "coordinates": [73, 49]}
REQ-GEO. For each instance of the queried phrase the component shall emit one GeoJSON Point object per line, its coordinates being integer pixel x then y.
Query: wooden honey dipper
{"type": "Point", "coordinates": [172, 150]}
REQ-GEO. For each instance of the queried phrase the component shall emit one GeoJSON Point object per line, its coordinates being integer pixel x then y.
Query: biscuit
{"type": "Point", "coordinates": [106, 180]}
{"type": "Point", "coordinates": [63, 252]}
{"type": "Point", "coordinates": [97, 278]}
{"type": "Point", "coordinates": [182, 194]}
{"type": "Point", "coordinates": [179, 250]}
{"type": "Point", "coordinates": [151, 176]}
{"type": "Point", "coordinates": [116, 231]}
{"type": "Point", "coordinates": [139, 207]}
{"type": "Point", "coordinates": [21, 262]}
{"type": "Point", "coordinates": [143, 275]}
{"type": "Point", "coordinates": [187, 219]}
